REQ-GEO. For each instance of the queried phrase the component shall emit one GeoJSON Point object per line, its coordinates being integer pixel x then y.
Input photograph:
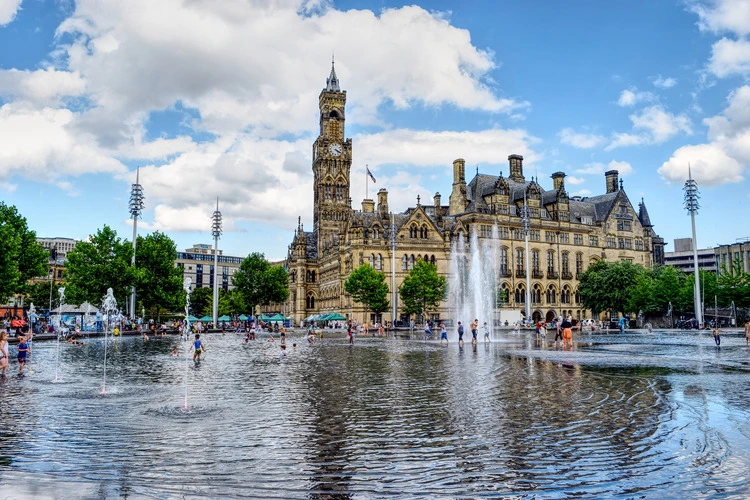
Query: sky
{"type": "Point", "coordinates": [219, 100]}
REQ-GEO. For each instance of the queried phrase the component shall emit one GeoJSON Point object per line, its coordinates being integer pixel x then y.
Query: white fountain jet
{"type": "Point", "coordinates": [473, 282]}
{"type": "Point", "coordinates": [109, 304]}
{"type": "Point", "coordinates": [186, 335]}
{"type": "Point", "coordinates": [58, 330]}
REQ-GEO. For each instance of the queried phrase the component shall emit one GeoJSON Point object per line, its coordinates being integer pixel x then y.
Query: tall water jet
{"type": "Point", "coordinates": [186, 335]}
{"type": "Point", "coordinates": [58, 330]}
{"type": "Point", "coordinates": [473, 281]}
{"type": "Point", "coordinates": [109, 304]}
{"type": "Point", "coordinates": [32, 319]}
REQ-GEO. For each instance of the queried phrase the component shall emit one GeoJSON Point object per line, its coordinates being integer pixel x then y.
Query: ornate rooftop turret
{"type": "Point", "coordinates": [643, 215]}
{"type": "Point", "coordinates": [332, 82]}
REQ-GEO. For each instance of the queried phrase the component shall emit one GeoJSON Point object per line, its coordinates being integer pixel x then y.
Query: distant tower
{"type": "Point", "coordinates": [332, 161]}
{"type": "Point", "coordinates": [457, 199]}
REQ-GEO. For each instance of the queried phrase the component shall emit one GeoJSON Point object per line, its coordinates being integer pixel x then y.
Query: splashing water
{"type": "Point", "coordinates": [186, 335]}
{"type": "Point", "coordinates": [109, 304]}
{"type": "Point", "coordinates": [58, 331]}
{"type": "Point", "coordinates": [473, 282]}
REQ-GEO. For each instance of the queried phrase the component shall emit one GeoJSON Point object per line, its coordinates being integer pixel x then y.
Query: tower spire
{"type": "Point", "coordinates": [332, 82]}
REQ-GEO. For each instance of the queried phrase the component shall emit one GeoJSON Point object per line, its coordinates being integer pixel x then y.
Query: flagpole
{"type": "Point", "coordinates": [367, 175]}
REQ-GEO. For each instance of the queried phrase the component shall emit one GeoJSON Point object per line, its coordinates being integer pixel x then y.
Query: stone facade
{"type": "Point", "coordinates": [567, 233]}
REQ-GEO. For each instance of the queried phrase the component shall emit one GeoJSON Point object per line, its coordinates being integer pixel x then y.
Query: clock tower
{"type": "Point", "coordinates": [332, 161]}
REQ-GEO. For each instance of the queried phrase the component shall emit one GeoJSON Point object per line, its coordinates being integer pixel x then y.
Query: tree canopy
{"type": "Point", "coordinates": [367, 286]}
{"type": "Point", "coordinates": [21, 257]}
{"type": "Point", "coordinates": [260, 283]}
{"type": "Point", "coordinates": [97, 264]}
{"type": "Point", "coordinates": [159, 281]}
{"type": "Point", "coordinates": [606, 286]}
{"type": "Point", "coordinates": [423, 289]}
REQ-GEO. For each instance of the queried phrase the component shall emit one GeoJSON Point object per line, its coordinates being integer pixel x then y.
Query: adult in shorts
{"type": "Point", "coordinates": [460, 334]}
{"type": "Point", "coordinates": [567, 328]}
{"type": "Point", "coordinates": [747, 332]}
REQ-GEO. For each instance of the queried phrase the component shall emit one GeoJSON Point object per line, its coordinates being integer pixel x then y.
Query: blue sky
{"type": "Point", "coordinates": [220, 99]}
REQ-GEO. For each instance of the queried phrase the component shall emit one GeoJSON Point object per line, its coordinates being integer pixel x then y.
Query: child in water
{"type": "Point", "coordinates": [198, 346]}
{"type": "Point", "coordinates": [23, 349]}
{"type": "Point", "coordinates": [174, 352]}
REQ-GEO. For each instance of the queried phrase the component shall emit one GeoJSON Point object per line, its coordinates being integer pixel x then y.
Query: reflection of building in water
{"type": "Point", "coordinates": [568, 233]}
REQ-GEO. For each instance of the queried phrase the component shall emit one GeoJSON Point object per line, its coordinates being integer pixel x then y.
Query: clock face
{"type": "Point", "coordinates": [335, 149]}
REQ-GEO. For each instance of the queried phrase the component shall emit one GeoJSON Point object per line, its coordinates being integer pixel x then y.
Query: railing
{"type": "Point", "coordinates": [567, 275]}
{"type": "Point", "coordinates": [537, 274]}
{"type": "Point", "coordinates": [520, 273]}
{"type": "Point", "coordinates": [505, 273]}
{"type": "Point", "coordinates": [551, 275]}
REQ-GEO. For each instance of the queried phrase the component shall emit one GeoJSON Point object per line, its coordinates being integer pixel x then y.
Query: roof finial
{"type": "Point", "coordinates": [332, 82]}
{"type": "Point", "coordinates": [418, 199]}
{"type": "Point", "coordinates": [620, 184]}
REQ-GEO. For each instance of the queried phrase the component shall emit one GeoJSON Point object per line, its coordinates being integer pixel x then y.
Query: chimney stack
{"type": "Point", "coordinates": [368, 206]}
{"type": "Point", "coordinates": [558, 180]}
{"type": "Point", "coordinates": [383, 203]}
{"type": "Point", "coordinates": [611, 177]}
{"type": "Point", "coordinates": [516, 168]}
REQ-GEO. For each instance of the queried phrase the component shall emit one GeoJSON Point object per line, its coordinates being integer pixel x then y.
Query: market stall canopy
{"type": "Point", "coordinates": [243, 317]}
{"type": "Point", "coordinates": [224, 318]}
{"type": "Point", "coordinates": [205, 318]}
{"type": "Point", "coordinates": [192, 318]}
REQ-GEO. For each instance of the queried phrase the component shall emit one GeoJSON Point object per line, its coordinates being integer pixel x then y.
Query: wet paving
{"type": "Point", "coordinates": [637, 415]}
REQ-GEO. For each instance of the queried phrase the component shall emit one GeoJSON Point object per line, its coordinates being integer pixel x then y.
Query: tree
{"type": "Point", "coordinates": [367, 286]}
{"type": "Point", "coordinates": [231, 303]}
{"type": "Point", "coordinates": [39, 295]}
{"type": "Point", "coordinates": [201, 302]}
{"type": "Point", "coordinates": [423, 289]}
{"type": "Point", "coordinates": [97, 264]}
{"type": "Point", "coordinates": [607, 286]}
{"type": "Point", "coordinates": [733, 286]}
{"type": "Point", "coordinates": [260, 283]}
{"type": "Point", "coordinates": [159, 281]}
{"type": "Point", "coordinates": [21, 257]}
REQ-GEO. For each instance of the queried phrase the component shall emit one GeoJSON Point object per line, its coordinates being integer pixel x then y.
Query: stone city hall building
{"type": "Point", "coordinates": [567, 233]}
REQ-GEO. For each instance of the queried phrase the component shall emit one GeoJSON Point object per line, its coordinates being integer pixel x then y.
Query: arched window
{"type": "Point", "coordinates": [375, 234]}
{"type": "Point", "coordinates": [504, 261]}
{"type": "Point", "coordinates": [551, 261]}
{"type": "Point", "coordinates": [520, 294]}
{"type": "Point", "coordinates": [310, 301]}
{"type": "Point", "coordinates": [378, 262]}
{"type": "Point", "coordinates": [411, 261]}
{"type": "Point", "coordinates": [432, 260]}
{"type": "Point", "coordinates": [536, 294]}
{"type": "Point", "coordinates": [372, 261]}
{"type": "Point", "coordinates": [578, 297]}
{"type": "Point", "coordinates": [551, 295]}
{"type": "Point", "coordinates": [405, 263]}
{"type": "Point", "coordinates": [565, 295]}
{"type": "Point", "coordinates": [426, 258]}
{"type": "Point", "coordinates": [565, 263]}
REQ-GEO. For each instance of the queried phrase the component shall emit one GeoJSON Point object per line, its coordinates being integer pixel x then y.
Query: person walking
{"type": "Point", "coordinates": [717, 336]}
{"type": "Point", "coordinates": [623, 320]}
{"type": "Point", "coordinates": [198, 346]}
{"type": "Point", "coordinates": [486, 332]}
{"type": "Point", "coordinates": [427, 331]}
{"type": "Point", "coordinates": [443, 334]}
{"type": "Point", "coordinates": [23, 350]}
{"type": "Point", "coordinates": [460, 334]}
{"type": "Point", "coordinates": [350, 332]}
{"type": "Point", "coordinates": [567, 328]}
{"type": "Point", "coordinates": [474, 328]}
{"type": "Point", "coordinates": [3, 353]}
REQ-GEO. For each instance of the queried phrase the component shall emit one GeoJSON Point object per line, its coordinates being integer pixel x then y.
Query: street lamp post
{"type": "Point", "coordinates": [216, 232]}
{"type": "Point", "coordinates": [136, 207]}
{"type": "Point", "coordinates": [691, 205]}
{"type": "Point", "coordinates": [526, 228]}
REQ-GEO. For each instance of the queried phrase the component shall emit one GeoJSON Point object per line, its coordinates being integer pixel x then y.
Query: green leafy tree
{"type": "Point", "coordinates": [21, 257]}
{"type": "Point", "coordinates": [733, 285]}
{"type": "Point", "coordinates": [607, 286]}
{"type": "Point", "coordinates": [201, 302]}
{"type": "Point", "coordinates": [39, 295]}
{"type": "Point", "coordinates": [231, 303]}
{"type": "Point", "coordinates": [97, 264]}
{"type": "Point", "coordinates": [259, 283]}
{"type": "Point", "coordinates": [423, 289]}
{"type": "Point", "coordinates": [367, 286]}
{"type": "Point", "coordinates": [159, 281]}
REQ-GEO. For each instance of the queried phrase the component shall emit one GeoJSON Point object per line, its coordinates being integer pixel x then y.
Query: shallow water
{"type": "Point", "coordinates": [630, 416]}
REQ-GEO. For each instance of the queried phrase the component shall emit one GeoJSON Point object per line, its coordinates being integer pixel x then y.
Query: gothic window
{"type": "Point", "coordinates": [310, 302]}
{"type": "Point", "coordinates": [579, 263]}
{"type": "Point", "coordinates": [375, 234]}
{"type": "Point", "coordinates": [426, 258]}
{"type": "Point", "coordinates": [520, 294]}
{"type": "Point", "coordinates": [550, 261]}
{"type": "Point", "coordinates": [405, 263]}
{"type": "Point", "coordinates": [504, 260]}
{"type": "Point", "coordinates": [535, 260]}
{"type": "Point", "coordinates": [551, 295]}
{"type": "Point", "coordinates": [378, 262]}
{"type": "Point", "coordinates": [565, 295]}
{"type": "Point", "coordinates": [372, 261]}
{"type": "Point", "coordinates": [536, 294]}
{"type": "Point", "coordinates": [432, 260]}
{"type": "Point", "coordinates": [519, 259]}
{"type": "Point", "coordinates": [565, 262]}
{"type": "Point", "coordinates": [411, 262]}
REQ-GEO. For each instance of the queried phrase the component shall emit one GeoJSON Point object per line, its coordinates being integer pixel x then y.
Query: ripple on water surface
{"type": "Point", "coordinates": [615, 416]}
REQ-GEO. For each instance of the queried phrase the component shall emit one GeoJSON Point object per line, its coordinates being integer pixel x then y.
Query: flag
{"type": "Point", "coordinates": [371, 176]}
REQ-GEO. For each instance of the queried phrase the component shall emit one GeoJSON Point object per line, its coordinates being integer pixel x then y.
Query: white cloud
{"type": "Point", "coordinates": [663, 83]}
{"type": "Point", "coordinates": [709, 164]}
{"type": "Point", "coordinates": [581, 192]}
{"type": "Point", "coordinates": [631, 97]}
{"type": "Point", "coordinates": [39, 144]}
{"type": "Point", "coordinates": [574, 180]}
{"type": "Point", "coordinates": [138, 55]}
{"type": "Point", "coordinates": [724, 15]}
{"type": "Point", "coordinates": [653, 125]}
{"type": "Point", "coordinates": [730, 57]}
{"type": "Point", "coordinates": [41, 86]}
{"type": "Point", "coordinates": [8, 9]}
{"type": "Point", "coordinates": [578, 140]}
{"type": "Point", "coordinates": [598, 168]}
